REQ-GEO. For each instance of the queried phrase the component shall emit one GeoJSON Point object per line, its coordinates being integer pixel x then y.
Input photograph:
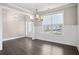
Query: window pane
{"type": "Point", "coordinates": [57, 19]}
{"type": "Point", "coordinates": [47, 23]}
{"type": "Point", "coordinates": [29, 26]}
{"type": "Point", "coordinates": [46, 20]}
{"type": "Point", "coordinates": [53, 22]}
{"type": "Point", "coordinates": [57, 22]}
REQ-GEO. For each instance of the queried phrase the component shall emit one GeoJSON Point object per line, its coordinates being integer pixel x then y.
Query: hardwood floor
{"type": "Point", "coordinates": [27, 46]}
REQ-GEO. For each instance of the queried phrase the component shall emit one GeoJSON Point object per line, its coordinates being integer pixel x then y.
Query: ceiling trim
{"type": "Point", "coordinates": [56, 9]}
{"type": "Point", "coordinates": [9, 5]}
{"type": "Point", "coordinates": [21, 8]}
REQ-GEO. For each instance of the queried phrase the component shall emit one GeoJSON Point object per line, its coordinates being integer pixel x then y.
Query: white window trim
{"type": "Point", "coordinates": [56, 12]}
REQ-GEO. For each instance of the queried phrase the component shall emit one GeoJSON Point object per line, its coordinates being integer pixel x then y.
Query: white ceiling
{"type": "Point", "coordinates": [41, 6]}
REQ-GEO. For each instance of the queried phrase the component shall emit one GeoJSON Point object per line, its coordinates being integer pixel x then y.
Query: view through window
{"type": "Point", "coordinates": [53, 23]}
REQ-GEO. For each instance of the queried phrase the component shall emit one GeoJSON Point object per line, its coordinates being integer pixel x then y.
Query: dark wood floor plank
{"type": "Point", "coordinates": [27, 46]}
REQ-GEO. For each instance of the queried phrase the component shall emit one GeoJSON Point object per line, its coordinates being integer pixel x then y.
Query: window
{"type": "Point", "coordinates": [47, 23]}
{"type": "Point", "coordinates": [53, 23]}
{"type": "Point", "coordinates": [29, 26]}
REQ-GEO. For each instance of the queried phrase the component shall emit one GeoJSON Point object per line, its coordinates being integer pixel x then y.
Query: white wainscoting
{"type": "Point", "coordinates": [69, 35]}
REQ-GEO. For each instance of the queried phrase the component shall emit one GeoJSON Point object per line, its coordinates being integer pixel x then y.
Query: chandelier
{"type": "Point", "coordinates": [36, 15]}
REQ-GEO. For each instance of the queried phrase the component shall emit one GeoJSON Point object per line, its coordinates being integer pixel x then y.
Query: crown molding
{"type": "Point", "coordinates": [9, 5]}
{"type": "Point", "coordinates": [56, 9]}
{"type": "Point", "coordinates": [12, 6]}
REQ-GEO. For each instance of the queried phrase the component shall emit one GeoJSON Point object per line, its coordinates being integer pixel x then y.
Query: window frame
{"type": "Point", "coordinates": [56, 12]}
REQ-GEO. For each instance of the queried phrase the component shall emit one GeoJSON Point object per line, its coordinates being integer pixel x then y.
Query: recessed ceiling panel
{"type": "Point", "coordinates": [40, 6]}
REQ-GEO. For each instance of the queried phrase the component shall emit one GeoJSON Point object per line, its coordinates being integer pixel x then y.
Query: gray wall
{"type": "Point", "coordinates": [13, 24]}
{"type": "Point", "coordinates": [78, 30]}
{"type": "Point", "coordinates": [70, 15]}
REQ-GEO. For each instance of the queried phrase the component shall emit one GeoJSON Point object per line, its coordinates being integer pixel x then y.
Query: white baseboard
{"type": "Point", "coordinates": [12, 38]}
{"type": "Point", "coordinates": [59, 42]}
